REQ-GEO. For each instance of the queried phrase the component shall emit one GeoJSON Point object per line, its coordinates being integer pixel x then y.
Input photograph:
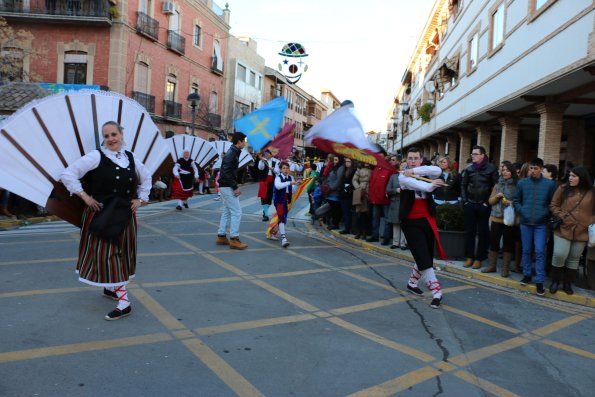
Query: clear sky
{"type": "Point", "coordinates": [357, 49]}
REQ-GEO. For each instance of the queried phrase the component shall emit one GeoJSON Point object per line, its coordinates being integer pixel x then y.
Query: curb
{"type": "Point", "coordinates": [577, 298]}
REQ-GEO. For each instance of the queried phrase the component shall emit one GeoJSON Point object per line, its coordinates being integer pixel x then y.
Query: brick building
{"type": "Point", "coordinates": [516, 76]}
{"type": "Point", "coordinates": [157, 52]}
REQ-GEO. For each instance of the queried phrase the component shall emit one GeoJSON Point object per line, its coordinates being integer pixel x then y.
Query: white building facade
{"type": "Point", "coordinates": [515, 76]}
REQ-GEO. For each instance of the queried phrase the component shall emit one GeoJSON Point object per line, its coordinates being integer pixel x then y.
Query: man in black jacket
{"type": "Point", "coordinates": [230, 193]}
{"type": "Point", "coordinates": [478, 180]}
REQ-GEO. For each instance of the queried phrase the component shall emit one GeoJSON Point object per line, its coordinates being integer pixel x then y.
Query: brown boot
{"type": "Point", "coordinates": [492, 260]}
{"type": "Point", "coordinates": [236, 244]}
{"type": "Point", "coordinates": [468, 262]}
{"type": "Point", "coordinates": [222, 240]}
{"type": "Point", "coordinates": [476, 264]}
{"type": "Point", "coordinates": [505, 272]}
{"type": "Point", "coordinates": [518, 258]}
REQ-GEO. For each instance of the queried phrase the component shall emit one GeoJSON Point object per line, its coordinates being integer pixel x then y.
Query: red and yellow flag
{"type": "Point", "coordinates": [300, 189]}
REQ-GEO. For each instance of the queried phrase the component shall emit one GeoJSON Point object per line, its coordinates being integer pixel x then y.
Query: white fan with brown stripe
{"type": "Point", "coordinates": [45, 136]}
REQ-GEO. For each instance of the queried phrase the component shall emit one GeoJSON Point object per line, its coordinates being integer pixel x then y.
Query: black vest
{"type": "Point", "coordinates": [109, 179]}
{"type": "Point", "coordinates": [186, 179]}
{"type": "Point", "coordinates": [262, 174]}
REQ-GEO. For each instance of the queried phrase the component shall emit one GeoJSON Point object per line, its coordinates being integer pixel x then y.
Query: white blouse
{"type": "Point", "coordinates": [421, 187]}
{"type": "Point", "coordinates": [71, 176]}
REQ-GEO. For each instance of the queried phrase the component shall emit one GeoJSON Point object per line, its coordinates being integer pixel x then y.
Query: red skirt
{"type": "Point", "coordinates": [178, 192]}
{"type": "Point", "coordinates": [263, 187]}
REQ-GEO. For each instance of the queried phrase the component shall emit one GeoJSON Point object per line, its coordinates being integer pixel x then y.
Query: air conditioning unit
{"type": "Point", "coordinates": [169, 7]}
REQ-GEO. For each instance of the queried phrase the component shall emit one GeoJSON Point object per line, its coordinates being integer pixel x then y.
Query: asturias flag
{"type": "Point", "coordinates": [263, 124]}
{"type": "Point", "coordinates": [342, 133]}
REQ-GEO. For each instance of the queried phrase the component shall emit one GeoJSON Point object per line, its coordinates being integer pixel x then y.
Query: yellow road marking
{"type": "Point", "coordinates": [190, 282]}
{"type": "Point", "coordinates": [381, 340]}
{"type": "Point", "coordinates": [42, 292]}
{"type": "Point", "coordinates": [224, 371]}
{"type": "Point", "coordinates": [401, 383]}
{"type": "Point", "coordinates": [482, 319]}
{"type": "Point", "coordinates": [38, 242]}
{"type": "Point", "coordinates": [484, 384]}
{"type": "Point", "coordinates": [82, 347]}
{"type": "Point", "coordinates": [292, 274]}
{"type": "Point", "coordinates": [367, 306]}
{"type": "Point", "coordinates": [484, 352]}
{"type": "Point", "coordinates": [169, 321]}
{"type": "Point", "coordinates": [267, 322]}
{"type": "Point", "coordinates": [74, 259]}
{"type": "Point", "coordinates": [284, 295]}
{"type": "Point", "coordinates": [558, 325]}
{"type": "Point", "coordinates": [570, 349]}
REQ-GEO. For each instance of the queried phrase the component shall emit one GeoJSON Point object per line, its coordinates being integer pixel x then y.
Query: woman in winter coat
{"type": "Point", "coordinates": [573, 202]}
{"type": "Point", "coordinates": [501, 197]}
{"type": "Point", "coordinates": [451, 193]}
{"type": "Point", "coordinates": [334, 179]}
{"type": "Point", "coordinates": [393, 190]}
{"type": "Point", "coordinates": [346, 195]}
{"type": "Point", "coordinates": [361, 181]}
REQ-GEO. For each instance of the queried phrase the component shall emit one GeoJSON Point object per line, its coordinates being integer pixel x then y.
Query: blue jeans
{"type": "Point", "coordinates": [232, 213]}
{"type": "Point", "coordinates": [534, 236]}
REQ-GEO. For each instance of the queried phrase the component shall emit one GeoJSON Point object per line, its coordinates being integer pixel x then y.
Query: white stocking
{"type": "Point", "coordinates": [415, 276]}
{"type": "Point", "coordinates": [123, 302]}
{"type": "Point", "coordinates": [282, 229]}
{"type": "Point", "coordinates": [433, 283]}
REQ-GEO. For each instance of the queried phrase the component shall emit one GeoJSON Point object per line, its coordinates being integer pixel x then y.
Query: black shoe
{"type": "Point", "coordinates": [539, 289]}
{"type": "Point", "coordinates": [568, 288]}
{"type": "Point", "coordinates": [185, 205]}
{"type": "Point", "coordinates": [526, 280]}
{"type": "Point", "coordinates": [414, 290]}
{"type": "Point", "coordinates": [404, 248]}
{"type": "Point", "coordinates": [392, 247]}
{"type": "Point", "coordinates": [344, 232]}
{"type": "Point", "coordinates": [436, 303]}
{"type": "Point", "coordinates": [554, 287]}
{"type": "Point", "coordinates": [372, 240]}
{"type": "Point", "coordinates": [332, 227]}
{"type": "Point", "coordinates": [265, 218]}
{"type": "Point", "coordinates": [117, 314]}
{"type": "Point", "coordinates": [110, 294]}
{"type": "Point", "coordinates": [385, 242]}
{"type": "Point", "coordinates": [179, 208]}
{"type": "Point", "coordinates": [357, 236]}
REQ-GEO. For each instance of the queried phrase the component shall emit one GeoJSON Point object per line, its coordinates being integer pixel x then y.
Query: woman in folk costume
{"type": "Point", "coordinates": [282, 197]}
{"type": "Point", "coordinates": [417, 213]}
{"type": "Point", "coordinates": [185, 173]}
{"type": "Point", "coordinates": [116, 184]}
{"type": "Point", "coordinates": [268, 168]}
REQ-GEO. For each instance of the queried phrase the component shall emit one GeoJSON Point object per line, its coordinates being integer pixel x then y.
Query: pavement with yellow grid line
{"type": "Point", "coordinates": [322, 318]}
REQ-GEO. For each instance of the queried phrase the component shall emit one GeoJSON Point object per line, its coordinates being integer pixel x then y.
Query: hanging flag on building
{"type": "Point", "coordinates": [263, 124]}
{"type": "Point", "coordinates": [282, 145]}
{"type": "Point", "coordinates": [341, 133]}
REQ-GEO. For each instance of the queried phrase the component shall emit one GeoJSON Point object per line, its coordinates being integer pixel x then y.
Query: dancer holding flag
{"type": "Point", "coordinates": [417, 213]}
{"type": "Point", "coordinates": [283, 196]}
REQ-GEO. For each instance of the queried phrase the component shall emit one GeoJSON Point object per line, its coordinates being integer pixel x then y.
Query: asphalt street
{"type": "Point", "coordinates": [320, 318]}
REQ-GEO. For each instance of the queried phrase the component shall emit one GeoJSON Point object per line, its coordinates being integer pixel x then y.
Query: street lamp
{"type": "Point", "coordinates": [193, 100]}
{"type": "Point", "coordinates": [404, 107]}
{"type": "Point", "coordinates": [395, 125]}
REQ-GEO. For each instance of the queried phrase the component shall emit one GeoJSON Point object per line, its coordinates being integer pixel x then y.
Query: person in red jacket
{"type": "Point", "coordinates": [379, 201]}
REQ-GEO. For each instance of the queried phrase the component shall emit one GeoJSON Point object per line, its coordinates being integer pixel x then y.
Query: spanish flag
{"type": "Point", "coordinates": [296, 194]}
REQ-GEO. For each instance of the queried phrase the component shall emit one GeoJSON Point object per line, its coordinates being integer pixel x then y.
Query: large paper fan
{"type": "Point", "coordinates": [201, 150]}
{"type": "Point", "coordinates": [223, 146]}
{"type": "Point", "coordinates": [45, 136]}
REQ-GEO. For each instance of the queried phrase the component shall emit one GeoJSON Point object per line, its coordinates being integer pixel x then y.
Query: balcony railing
{"type": "Point", "coordinates": [175, 42]}
{"type": "Point", "coordinates": [215, 120]}
{"type": "Point", "coordinates": [84, 11]}
{"type": "Point", "coordinates": [147, 26]}
{"type": "Point", "coordinates": [215, 68]}
{"type": "Point", "coordinates": [172, 109]}
{"type": "Point", "coordinates": [148, 101]}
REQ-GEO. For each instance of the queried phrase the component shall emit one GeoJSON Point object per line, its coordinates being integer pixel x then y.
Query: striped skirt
{"type": "Point", "coordinates": [105, 263]}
